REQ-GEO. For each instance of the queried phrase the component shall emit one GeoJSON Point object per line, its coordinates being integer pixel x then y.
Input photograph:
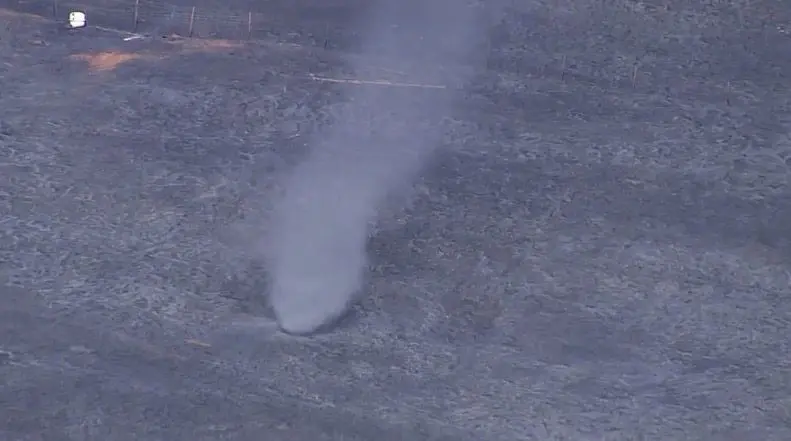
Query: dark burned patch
{"type": "Point", "coordinates": [569, 279]}
{"type": "Point", "coordinates": [248, 290]}
{"type": "Point", "coordinates": [473, 309]}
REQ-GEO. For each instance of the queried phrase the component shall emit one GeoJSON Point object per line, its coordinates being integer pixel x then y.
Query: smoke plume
{"type": "Point", "coordinates": [376, 146]}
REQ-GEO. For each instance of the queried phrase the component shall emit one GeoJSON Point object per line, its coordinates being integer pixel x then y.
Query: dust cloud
{"type": "Point", "coordinates": [376, 146]}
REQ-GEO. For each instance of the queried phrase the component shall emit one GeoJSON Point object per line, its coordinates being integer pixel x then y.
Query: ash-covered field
{"type": "Point", "coordinates": [599, 250]}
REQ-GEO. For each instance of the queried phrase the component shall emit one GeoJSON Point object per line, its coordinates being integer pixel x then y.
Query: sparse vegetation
{"type": "Point", "coordinates": [601, 251]}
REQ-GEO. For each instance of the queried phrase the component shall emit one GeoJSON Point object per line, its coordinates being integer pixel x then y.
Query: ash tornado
{"type": "Point", "coordinates": [376, 146]}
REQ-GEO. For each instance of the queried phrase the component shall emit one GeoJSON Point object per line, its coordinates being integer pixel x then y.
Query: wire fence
{"type": "Point", "coordinates": [157, 17]}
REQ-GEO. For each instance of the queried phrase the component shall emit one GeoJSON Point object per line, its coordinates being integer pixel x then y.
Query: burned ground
{"type": "Point", "coordinates": [600, 252]}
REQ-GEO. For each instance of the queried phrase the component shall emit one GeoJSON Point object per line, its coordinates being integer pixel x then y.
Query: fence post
{"type": "Point", "coordinates": [55, 9]}
{"type": "Point", "coordinates": [192, 21]}
{"type": "Point", "coordinates": [249, 25]}
{"type": "Point", "coordinates": [137, 15]}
